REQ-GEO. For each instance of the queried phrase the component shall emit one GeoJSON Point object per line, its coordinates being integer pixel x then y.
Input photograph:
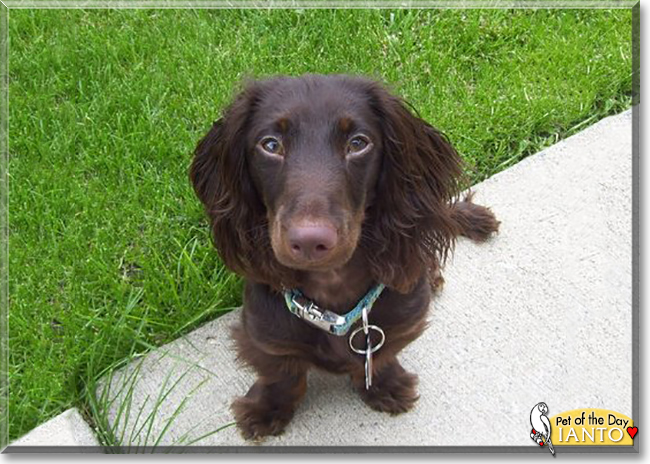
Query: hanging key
{"type": "Point", "coordinates": [368, 362]}
{"type": "Point", "coordinates": [368, 366]}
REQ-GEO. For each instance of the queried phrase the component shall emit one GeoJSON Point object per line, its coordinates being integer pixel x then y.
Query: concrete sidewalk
{"type": "Point", "coordinates": [542, 312]}
{"type": "Point", "coordinates": [68, 429]}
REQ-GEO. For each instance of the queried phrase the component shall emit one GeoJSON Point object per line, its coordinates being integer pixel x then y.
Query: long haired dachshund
{"type": "Point", "coordinates": [338, 206]}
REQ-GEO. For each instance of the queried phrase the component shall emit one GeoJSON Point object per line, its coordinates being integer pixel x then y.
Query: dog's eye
{"type": "Point", "coordinates": [358, 144]}
{"type": "Point", "coordinates": [271, 145]}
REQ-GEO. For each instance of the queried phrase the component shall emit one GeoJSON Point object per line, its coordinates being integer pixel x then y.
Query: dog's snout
{"type": "Point", "coordinates": [311, 242]}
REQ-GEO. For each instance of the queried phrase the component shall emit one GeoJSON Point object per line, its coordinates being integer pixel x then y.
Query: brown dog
{"type": "Point", "coordinates": [330, 186]}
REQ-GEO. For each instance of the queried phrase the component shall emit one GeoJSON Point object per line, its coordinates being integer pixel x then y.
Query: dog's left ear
{"type": "Point", "coordinates": [419, 178]}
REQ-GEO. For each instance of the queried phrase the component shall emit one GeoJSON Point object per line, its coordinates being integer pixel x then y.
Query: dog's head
{"type": "Point", "coordinates": [299, 173]}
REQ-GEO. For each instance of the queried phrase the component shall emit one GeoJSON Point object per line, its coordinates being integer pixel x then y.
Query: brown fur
{"type": "Point", "coordinates": [393, 209]}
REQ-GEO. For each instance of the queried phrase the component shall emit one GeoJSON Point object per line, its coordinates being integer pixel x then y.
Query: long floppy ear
{"type": "Point", "coordinates": [221, 179]}
{"type": "Point", "coordinates": [419, 178]}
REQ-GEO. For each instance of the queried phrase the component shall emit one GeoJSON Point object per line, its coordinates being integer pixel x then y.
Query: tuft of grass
{"type": "Point", "coordinates": [121, 429]}
{"type": "Point", "coordinates": [110, 254]}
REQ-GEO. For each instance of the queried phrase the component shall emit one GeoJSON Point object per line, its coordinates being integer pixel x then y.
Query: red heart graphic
{"type": "Point", "coordinates": [632, 431]}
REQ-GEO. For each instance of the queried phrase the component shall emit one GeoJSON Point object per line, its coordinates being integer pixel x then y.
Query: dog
{"type": "Point", "coordinates": [338, 205]}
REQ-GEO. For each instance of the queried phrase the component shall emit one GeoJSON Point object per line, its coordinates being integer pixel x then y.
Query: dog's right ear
{"type": "Point", "coordinates": [204, 172]}
{"type": "Point", "coordinates": [221, 180]}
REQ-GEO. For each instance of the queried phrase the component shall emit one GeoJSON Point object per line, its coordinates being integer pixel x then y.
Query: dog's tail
{"type": "Point", "coordinates": [474, 221]}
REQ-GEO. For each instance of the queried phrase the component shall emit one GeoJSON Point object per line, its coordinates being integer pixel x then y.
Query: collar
{"type": "Point", "coordinates": [336, 324]}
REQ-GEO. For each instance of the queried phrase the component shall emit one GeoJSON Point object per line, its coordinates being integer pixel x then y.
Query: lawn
{"type": "Point", "coordinates": [109, 251]}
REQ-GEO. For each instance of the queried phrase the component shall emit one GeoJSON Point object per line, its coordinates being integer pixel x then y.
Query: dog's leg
{"type": "Point", "coordinates": [269, 405]}
{"type": "Point", "coordinates": [393, 389]}
{"type": "Point", "coordinates": [475, 221]}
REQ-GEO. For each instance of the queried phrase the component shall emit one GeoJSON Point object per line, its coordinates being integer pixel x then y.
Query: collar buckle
{"type": "Point", "coordinates": [324, 319]}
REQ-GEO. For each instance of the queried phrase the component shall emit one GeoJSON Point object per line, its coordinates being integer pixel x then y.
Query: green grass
{"type": "Point", "coordinates": [130, 427]}
{"type": "Point", "coordinates": [109, 251]}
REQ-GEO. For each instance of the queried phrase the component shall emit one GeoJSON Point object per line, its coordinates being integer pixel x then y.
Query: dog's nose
{"type": "Point", "coordinates": [311, 242]}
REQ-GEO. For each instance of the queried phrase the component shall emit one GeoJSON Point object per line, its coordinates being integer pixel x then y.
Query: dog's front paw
{"type": "Point", "coordinates": [257, 420]}
{"type": "Point", "coordinates": [394, 392]}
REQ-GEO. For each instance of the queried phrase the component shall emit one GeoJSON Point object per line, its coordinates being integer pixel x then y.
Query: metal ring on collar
{"type": "Point", "coordinates": [374, 348]}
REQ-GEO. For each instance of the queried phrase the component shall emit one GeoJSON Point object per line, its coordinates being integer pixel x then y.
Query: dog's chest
{"type": "Point", "coordinates": [334, 354]}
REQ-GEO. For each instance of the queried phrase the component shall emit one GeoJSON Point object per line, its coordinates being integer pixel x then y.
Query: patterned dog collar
{"type": "Point", "coordinates": [336, 324]}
